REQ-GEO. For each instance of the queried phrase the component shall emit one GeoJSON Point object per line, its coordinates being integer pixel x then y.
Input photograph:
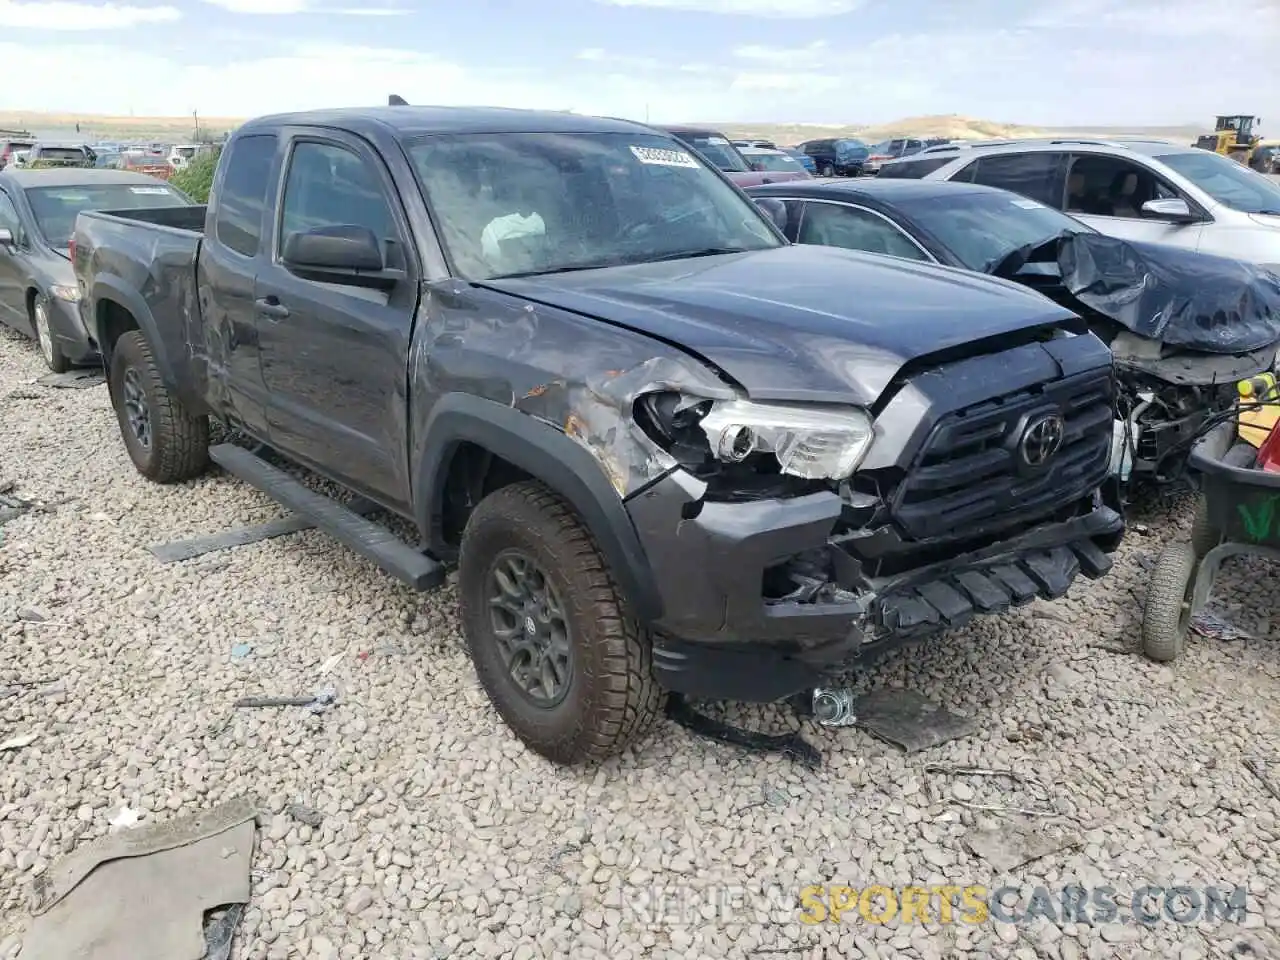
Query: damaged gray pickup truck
{"type": "Point", "coordinates": [665, 449]}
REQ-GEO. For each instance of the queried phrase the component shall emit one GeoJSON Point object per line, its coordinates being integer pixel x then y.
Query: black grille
{"type": "Point", "coordinates": [970, 476]}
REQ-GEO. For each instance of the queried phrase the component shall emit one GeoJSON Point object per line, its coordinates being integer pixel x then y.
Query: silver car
{"type": "Point", "coordinates": [1149, 190]}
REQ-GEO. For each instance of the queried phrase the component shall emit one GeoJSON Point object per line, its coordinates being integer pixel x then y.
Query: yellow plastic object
{"type": "Point", "coordinates": [1256, 423]}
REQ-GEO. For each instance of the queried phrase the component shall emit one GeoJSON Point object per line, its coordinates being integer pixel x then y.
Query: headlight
{"type": "Point", "coordinates": [61, 292]}
{"type": "Point", "coordinates": [810, 443]}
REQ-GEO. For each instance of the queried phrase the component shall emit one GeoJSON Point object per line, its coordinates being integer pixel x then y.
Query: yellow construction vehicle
{"type": "Point", "coordinates": [1232, 137]}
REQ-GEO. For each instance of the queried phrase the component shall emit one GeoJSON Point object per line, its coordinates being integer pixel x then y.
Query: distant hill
{"type": "Point", "coordinates": [953, 127]}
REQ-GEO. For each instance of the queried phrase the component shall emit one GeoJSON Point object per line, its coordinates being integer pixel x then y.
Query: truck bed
{"type": "Point", "coordinates": [176, 218]}
{"type": "Point", "coordinates": [143, 262]}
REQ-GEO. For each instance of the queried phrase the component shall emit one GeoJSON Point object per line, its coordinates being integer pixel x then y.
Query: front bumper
{"type": "Point", "coordinates": [69, 332]}
{"type": "Point", "coordinates": [720, 638]}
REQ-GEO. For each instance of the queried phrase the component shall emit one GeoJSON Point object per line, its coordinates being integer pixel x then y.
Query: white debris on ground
{"type": "Point", "coordinates": [440, 835]}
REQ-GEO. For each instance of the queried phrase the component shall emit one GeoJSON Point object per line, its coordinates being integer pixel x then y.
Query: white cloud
{"type": "Point", "coordinates": [286, 7]}
{"type": "Point", "coordinates": [1023, 73]}
{"type": "Point", "coordinates": [770, 9]}
{"type": "Point", "coordinates": [782, 56]}
{"type": "Point", "coordinates": [68, 15]}
{"type": "Point", "coordinates": [1182, 19]}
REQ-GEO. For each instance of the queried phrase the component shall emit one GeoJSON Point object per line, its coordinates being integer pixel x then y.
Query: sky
{"type": "Point", "coordinates": [1064, 62]}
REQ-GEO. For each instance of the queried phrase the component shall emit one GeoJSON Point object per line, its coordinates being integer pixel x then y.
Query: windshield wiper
{"type": "Point", "coordinates": [623, 262]}
{"type": "Point", "coordinates": [691, 254]}
{"type": "Point", "coordinates": [568, 268]}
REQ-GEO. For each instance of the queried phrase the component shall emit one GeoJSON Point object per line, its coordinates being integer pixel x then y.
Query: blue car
{"type": "Point", "coordinates": [840, 157]}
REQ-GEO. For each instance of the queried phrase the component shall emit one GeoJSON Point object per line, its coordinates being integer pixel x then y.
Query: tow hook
{"type": "Point", "coordinates": [833, 707]}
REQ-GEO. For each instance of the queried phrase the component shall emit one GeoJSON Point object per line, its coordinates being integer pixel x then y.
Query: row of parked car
{"type": "Point", "coordinates": [676, 437]}
{"type": "Point", "coordinates": [749, 162]}
{"type": "Point", "coordinates": [21, 150]}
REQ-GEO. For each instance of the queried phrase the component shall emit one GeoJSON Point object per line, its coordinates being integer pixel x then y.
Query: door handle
{"type": "Point", "coordinates": [271, 307]}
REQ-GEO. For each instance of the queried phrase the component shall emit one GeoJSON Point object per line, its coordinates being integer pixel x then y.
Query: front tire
{"type": "Point", "coordinates": [53, 356]}
{"type": "Point", "coordinates": [827, 170]}
{"type": "Point", "coordinates": [166, 443]}
{"type": "Point", "coordinates": [568, 669]}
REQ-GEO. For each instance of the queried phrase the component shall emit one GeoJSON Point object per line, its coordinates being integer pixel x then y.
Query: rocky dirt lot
{"type": "Point", "coordinates": [442, 836]}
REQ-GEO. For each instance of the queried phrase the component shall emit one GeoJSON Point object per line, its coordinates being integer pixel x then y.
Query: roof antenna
{"type": "Point", "coordinates": [395, 100]}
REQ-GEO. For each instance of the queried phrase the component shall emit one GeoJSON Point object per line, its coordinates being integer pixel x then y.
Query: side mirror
{"type": "Point", "coordinates": [345, 247]}
{"type": "Point", "coordinates": [341, 254]}
{"type": "Point", "coordinates": [1174, 210]}
{"type": "Point", "coordinates": [6, 237]}
{"type": "Point", "coordinates": [775, 210]}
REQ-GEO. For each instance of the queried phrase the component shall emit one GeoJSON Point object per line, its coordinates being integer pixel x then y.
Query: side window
{"type": "Point", "coordinates": [329, 186]}
{"type": "Point", "coordinates": [1033, 175]}
{"type": "Point", "coordinates": [835, 225]}
{"type": "Point", "coordinates": [242, 195]}
{"type": "Point", "coordinates": [1112, 187]}
{"type": "Point", "coordinates": [9, 216]}
{"type": "Point", "coordinates": [966, 174]}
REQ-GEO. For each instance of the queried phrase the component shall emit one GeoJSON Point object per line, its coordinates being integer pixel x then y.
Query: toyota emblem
{"type": "Point", "coordinates": [1041, 440]}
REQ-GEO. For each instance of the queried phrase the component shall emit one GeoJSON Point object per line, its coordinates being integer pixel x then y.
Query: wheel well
{"type": "Point", "coordinates": [113, 322]}
{"type": "Point", "coordinates": [472, 475]}
{"type": "Point", "coordinates": [32, 293]}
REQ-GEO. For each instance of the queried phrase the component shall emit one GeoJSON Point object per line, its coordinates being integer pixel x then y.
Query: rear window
{"type": "Point", "coordinates": [776, 162]}
{"type": "Point", "coordinates": [56, 208]}
{"type": "Point", "coordinates": [719, 151]}
{"type": "Point", "coordinates": [914, 169]}
{"type": "Point", "coordinates": [60, 153]}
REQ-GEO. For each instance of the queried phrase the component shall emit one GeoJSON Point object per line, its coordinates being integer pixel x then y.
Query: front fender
{"type": "Point", "coordinates": [550, 456]}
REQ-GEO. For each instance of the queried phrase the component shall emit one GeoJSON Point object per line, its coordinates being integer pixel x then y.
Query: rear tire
{"type": "Point", "coordinates": [166, 443]}
{"type": "Point", "coordinates": [606, 695]}
{"type": "Point", "coordinates": [1167, 617]}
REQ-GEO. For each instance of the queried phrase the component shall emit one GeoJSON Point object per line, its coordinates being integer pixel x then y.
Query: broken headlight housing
{"type": "Point", "coordinates": [812, 443]}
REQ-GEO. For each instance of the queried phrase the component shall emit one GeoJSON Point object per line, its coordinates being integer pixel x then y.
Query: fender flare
{"type": "Point", "coordinates": [546, 454]}
{"type": "Point", "coordinates": [112, 289]}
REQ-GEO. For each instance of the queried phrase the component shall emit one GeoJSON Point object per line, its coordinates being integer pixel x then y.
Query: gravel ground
{"type": "Point", "coordinates": [443, 836]}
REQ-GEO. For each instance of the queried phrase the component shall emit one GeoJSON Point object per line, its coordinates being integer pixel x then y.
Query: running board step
{"type": "Point", "coordinates": [347, 527]}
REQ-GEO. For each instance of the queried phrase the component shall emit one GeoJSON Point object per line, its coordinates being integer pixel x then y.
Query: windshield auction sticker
{"type": "Point", "coordinates": [664, 158]}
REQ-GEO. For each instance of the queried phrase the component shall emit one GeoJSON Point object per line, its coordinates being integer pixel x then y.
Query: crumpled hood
{"type": "Point", "coordinates": [802, 322]}
{"type": "Point", "coordinates": [1180, 297]}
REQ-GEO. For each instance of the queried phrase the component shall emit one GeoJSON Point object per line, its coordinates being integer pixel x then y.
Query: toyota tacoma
{"type": "Point", "coordinates": [666, 450]}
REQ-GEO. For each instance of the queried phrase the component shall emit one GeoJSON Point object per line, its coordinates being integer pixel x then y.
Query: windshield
{"type": "Point", "coordinates": [777, 162]}
{"type": "Point", "coordinates": [719, 151]}
{"type": "Point", "coordinates": [981, 229]}
{"type": "Point", "coordinates": [1226, 181]}
{"type": "Point", "coordinates": [541, 202]}
{"type": "Point", "coordinates": [56, 208]}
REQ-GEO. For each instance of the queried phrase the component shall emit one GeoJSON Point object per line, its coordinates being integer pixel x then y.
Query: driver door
{"type": "Point", "coordinates": [334, 356]}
